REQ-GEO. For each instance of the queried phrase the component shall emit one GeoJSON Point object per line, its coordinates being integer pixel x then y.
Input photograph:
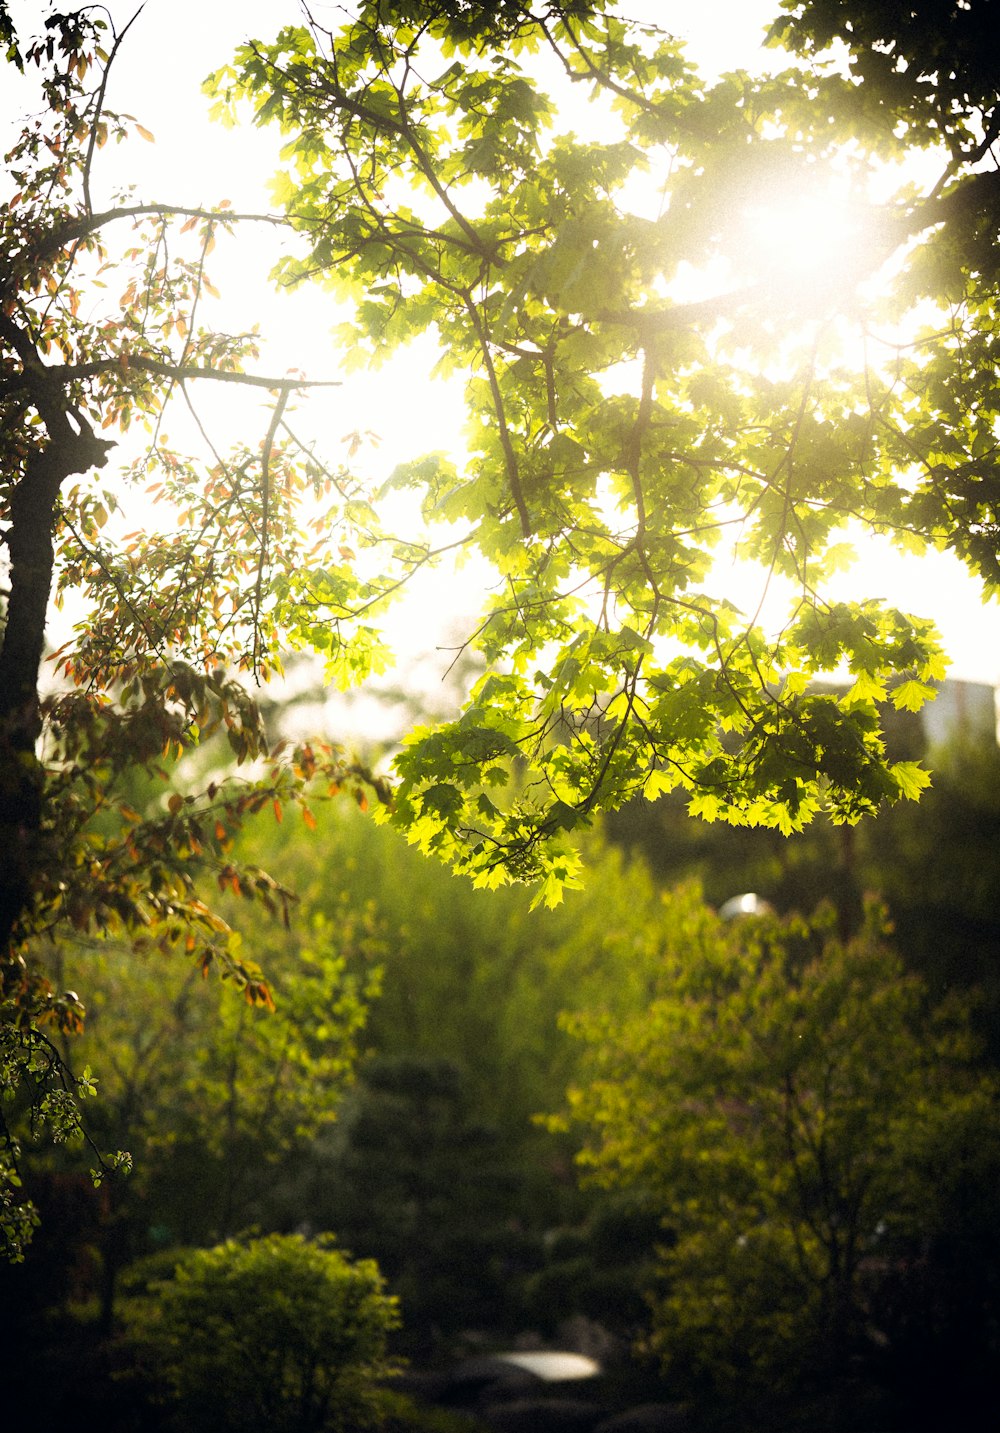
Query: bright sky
{"type": "Point", "coordinates": [170, 49]}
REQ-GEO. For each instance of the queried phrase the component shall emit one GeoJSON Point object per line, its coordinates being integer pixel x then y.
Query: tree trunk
{"type": "Point", "coordinates": [71, 448]}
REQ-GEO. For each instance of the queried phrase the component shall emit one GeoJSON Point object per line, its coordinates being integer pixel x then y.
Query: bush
{"type": "Point", "coordinates": [813, 1136]}
{"type": "Point", "coordinates": [277, 1333]}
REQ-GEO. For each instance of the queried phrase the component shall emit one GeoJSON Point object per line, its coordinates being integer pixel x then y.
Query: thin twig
{"type": "Point", "coordinates": [265, 503]}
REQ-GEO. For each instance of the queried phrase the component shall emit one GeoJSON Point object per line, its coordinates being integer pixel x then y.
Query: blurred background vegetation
{"type": "Point", "coordinates": [731, 1199]}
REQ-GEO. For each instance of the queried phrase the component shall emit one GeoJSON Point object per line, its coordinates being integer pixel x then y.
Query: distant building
{"type": "Point", "coordinates": [961, 709]}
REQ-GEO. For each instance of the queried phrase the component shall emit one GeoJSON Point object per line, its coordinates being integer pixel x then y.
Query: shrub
{"type": "Point", "coordinates": [277, 1333]}
{"type": "Point", "coordinates": [813, 1135]}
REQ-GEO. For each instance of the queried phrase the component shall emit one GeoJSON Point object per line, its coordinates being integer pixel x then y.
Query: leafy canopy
{"type": "Point", "coordinates": [211, 1093]}
{"type": "Point", "coordinates": [799, 1119]}
{"type": "Point", "coordinates": [105, 327]}
{"type": "Point", "coordinates": [621, 433]}
{"type": "Point", "coordinates": [275, 1332]}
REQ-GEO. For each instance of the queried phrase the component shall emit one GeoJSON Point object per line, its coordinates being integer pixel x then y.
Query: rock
{"type": "Point", "coordinates": [483, 1380]}
{"type": "Point", "coordinates": [542, 1415]}
{"type": "Point", "coordinates": [648, 1418]}
{"type": "Point", "coordinates": [554, 1365]}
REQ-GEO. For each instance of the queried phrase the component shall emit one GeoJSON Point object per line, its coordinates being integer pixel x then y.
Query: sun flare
{"type": "Point", "coordinates": [804, 236]}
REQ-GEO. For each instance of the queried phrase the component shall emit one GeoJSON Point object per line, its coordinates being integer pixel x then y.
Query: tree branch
{"type": "Point", "coordinates": [265, 503]}
{"type": "Point", "coordinates": [69, 372]}
{"type": "Point", "coordinates": [95, 119]}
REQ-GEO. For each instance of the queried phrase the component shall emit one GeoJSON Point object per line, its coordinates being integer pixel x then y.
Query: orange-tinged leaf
{"type": "Point", "coordinates": [141, 129]}
{"type": "Point", "coordinates": [257, 993]}
{"type": "Point", "coordinates": [278, 812]}
{"type": "Point", "coordinates": [309, 818]}
{"type": "Point", "coordinates": [220, 831]}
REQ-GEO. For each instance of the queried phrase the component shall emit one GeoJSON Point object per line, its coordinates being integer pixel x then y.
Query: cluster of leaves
{"type": "Point", "coordinates": [170, 619]}
{"type": "Point", "coordinates": [926, 70]}
{"type": "Point", "coordinates": [32, 1073]}
{"type": "Point", "coordinates": [276, 1333]}
{"type": "Point", "coordinates": [618, 431]}
{"type": "Point", "coordinates": [798, 1117]}
{"type": "Point", "coordinates": [213, 1093]}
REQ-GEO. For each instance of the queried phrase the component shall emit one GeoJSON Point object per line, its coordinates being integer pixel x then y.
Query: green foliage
{"type": "Point", "coordinates": [933, 864]}
{"type": "Point", "coordinates": [797, 1116]}
{"type": "Point", "coordinates": [436, 1166]}
{"type": "Point", "coordinates": [436, 1196]}
{"type": "Point", "coordinates": [621, 434]}
{"type": "Point", "coordinates": [617, 430]}
{"type": "Point", "coordinates": [211, 1091]}
{"type": "Point", "coordinates": [100, 334]}
{"type": "Point", "coordinates": [471, 977]}
{"type": "Point", "coordinates": [214, 1096]}
{"type": "Point", "coordinates": [275, 1333]}
{"type": "Point", "coordinates": [936, 875]}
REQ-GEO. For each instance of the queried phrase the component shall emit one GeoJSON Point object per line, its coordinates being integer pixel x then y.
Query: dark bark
{"type": "Point", "coordinates": [69, 447]}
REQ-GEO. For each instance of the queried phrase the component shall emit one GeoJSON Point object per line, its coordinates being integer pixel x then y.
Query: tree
{"type": "Point", "coordinates": [810, 1134]}
{"type": "Point", "coordinates": [165, 625]}
{"type": "Point", "coordinates": [617, 430]}
{"type": "Point", "coordinates": [213, 1096]}
{"type": "Point", "coordinates": [290, 1335]}
{"type": "Point", "coordinates": [429, 1191]}
{"type": "Point", "coordinates": [934, 873]}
